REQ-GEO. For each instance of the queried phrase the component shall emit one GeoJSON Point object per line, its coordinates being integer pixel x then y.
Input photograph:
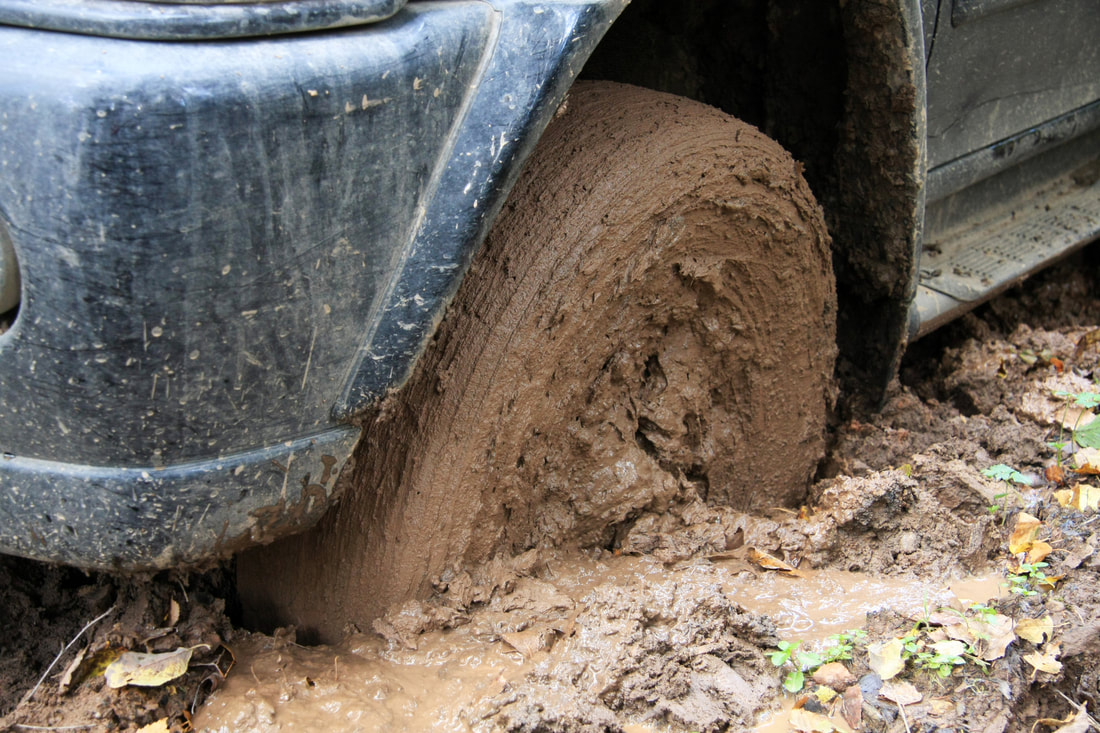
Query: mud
{"type": "Point", "coordinates": [659, 280]}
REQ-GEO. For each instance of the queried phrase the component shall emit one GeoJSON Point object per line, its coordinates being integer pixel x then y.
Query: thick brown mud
{"type": "Point", "coordinates": [658, 283]}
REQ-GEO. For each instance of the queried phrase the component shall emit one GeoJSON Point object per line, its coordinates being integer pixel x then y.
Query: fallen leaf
{"type": "Point", "coordinates": [940, 706]}
{"type": "Point", "coordinates": [1064, 497]}
{"type": "Point", "coordinates": [824, 694]}
{"type": "Point", "coordinates": [1092, 338]}
{"type": "Point", "coordinates": [884, 658]}
{"type": "Point", "coordinates": [158, 726]}
{"type": "Point", "coordinates": [806, 722]}
{"type": "Point", "coordinates": [1054, 474]}
{"type": "Point", "coordinates": [1038, 552]}
{"type": "Point", "coordinates": [833, 674]}
{"type": "Point", "coordinates": [66, 682]}
{"type": "Point", "coordinates": [1027, 528]}
{"type": "Point", "coordinates": [147, 670]}
{"type": "Point", "coordinates": [1047, 585]}
{"type": "Point", "coordinates": [769, 562]}
{"type": "Point", "coordinates": [173, 617]}
{"type": "Point", "coordinates": [851, 707]}
{"type": "Point", "coordinates": [1074, 723]}
{"type": "Point", "coordinates": [1046, 661]}
{"type": "Point", "coordinates": [995, 634]}
{"type": "Point", "coordinates": [950, 648]}
{"type": "Point", "coordinates": [901, 692]}
{"type": "Point", "coordinates": [1083, 498]}
{"type": "Point", "coordinates": [1087, 460]}
{"type": "Point", "coordinates": [1035, 630]}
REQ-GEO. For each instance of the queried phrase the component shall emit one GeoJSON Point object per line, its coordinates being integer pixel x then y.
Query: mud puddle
{"type": "Point", "coordinates": [456, 680]}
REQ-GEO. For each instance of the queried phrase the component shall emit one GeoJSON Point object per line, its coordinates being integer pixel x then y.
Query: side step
{"type": "Point", "coordinates": [964, 265]}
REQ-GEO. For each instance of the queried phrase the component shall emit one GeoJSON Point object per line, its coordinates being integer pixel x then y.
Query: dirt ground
{"type": "Point", "coordinates": [688, 620]}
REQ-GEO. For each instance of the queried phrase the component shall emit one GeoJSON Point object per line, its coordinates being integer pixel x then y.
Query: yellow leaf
{"type": "Point", "coordinates": [1047, 661]}
{"type": "Point", "coordinates": [1039, 551]}
{"type": "Point", "coordinates": [824, 694]}
{"type": "Point", "coordinates": [1035, 629]}
{"type": "Point", "coordinates": [885, 659]}
{"type": "Point", "coordinates": [147, 670]}
{"type": "Point", "coordinates": [159, 726]}
{"type": "Point", "coordinates": [1085, 497]}
{"type": "Point", "coordinates": [1063, 497]}
{"type": "Point", "coordinates": [1027, 527]}
{"type": "Point", "coordinates": [1087, 460]}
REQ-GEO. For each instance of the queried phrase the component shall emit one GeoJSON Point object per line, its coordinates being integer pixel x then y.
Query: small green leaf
{"type": "Point", "coordinates": [1089, 435]}
{"type": "Point", "coordinates": [794, 681]}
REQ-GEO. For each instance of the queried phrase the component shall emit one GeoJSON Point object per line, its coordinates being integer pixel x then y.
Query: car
{"type": "Point", "coordinates": [241, 243]}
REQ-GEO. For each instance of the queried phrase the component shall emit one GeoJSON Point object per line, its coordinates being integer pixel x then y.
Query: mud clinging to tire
{"type": "Point", "coordinates": [652, 318]}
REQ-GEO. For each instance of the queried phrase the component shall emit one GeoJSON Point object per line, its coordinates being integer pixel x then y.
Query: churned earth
{"type": "Point", "coordinates": [695, 618]}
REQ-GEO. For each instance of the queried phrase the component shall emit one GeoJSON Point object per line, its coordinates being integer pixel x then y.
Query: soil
{"type": "Point", "coordinates": [671, 625]}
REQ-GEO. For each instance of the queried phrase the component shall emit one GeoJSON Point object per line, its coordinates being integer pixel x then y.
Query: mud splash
{"type": "Point", "coordinates": [613, 642]}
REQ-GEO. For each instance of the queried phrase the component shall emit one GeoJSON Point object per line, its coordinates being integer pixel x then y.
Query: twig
{"type": "Point", "coordinates": [57, 659]}
{"type": "Point", "coordinates": [901, 709]}
{"type": "Point", "coordinates": [56, 727]}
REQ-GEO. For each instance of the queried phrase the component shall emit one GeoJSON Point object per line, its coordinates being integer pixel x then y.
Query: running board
{"type": "Point", "coordinates": [966, 265]}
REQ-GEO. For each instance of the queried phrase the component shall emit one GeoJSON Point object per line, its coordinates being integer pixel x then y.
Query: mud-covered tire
{"type": "Point", "coordinates": [651, 318]}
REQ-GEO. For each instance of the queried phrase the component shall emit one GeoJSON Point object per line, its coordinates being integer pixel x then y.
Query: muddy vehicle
{"type": "Point", "coordinates": [475, 277]}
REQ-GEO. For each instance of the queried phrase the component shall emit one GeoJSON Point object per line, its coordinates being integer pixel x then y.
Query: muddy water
{"type": "Point", "coordinates": [366, 683]}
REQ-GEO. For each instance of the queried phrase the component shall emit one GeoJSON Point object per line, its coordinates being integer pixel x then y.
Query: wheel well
{"type": "Point", "coordinates": [838, 83]}
{"type": "Point", "coordinates": [777, 64]}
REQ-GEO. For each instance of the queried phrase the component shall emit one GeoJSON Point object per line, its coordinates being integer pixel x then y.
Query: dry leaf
{"type": "Point", "coordinates": [159, 726]}
{"type": "Point", "coordinates": [173, 612]}
{"type": "Point", "coordinates": [1038, 552]}
{"type": "Point", "coordinates": [1054, 474]}
{"type": "Point", "coordinates": [1047, 661]}
{"type": "Point", "coordinates": [1035, 629]}
{"type": "Point", "coordinates": [901, 692]}
{"type": "Point", "coordinates": [940, 706]}
{"type": "Point", "coordinates": [995, 634]}
{"type": "Point", "coordinates": [824, 694]}
{"type": "Point", "coordinates": [147, 670]}
{"type": "Point", "coordinates": [1085, 497]}
{"type": "Point", "coordinates": [1092, 338]}
{"type": "Point", "coordinates": [1027, 527]}
{"type": "Point", "coordinates": [834, 674]}
{"type": "Point", "coordinates": [1076, 723]}
{"type": "Point", "coordinates": [851, 707]}
{"type": "Point", "coordinates": [1064, 497]}
{"type": "Point", "coordinates": [950, 648]}
{"type": "Point", "coordinates": [769, 562]}
{"type": "Point", "coordinates": [1048, 584]}
{"type": "Point", "coordinates": [1087, 460]}
{"type": "Point", "coordinates": [884, 658]}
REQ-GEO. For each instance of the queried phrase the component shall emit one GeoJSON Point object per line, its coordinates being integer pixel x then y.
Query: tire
{"type": "Point", "coordinates": [652, 319]}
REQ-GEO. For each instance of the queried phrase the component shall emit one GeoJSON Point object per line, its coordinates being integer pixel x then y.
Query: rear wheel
{"type": "Point", "coordinates": [651, 318]}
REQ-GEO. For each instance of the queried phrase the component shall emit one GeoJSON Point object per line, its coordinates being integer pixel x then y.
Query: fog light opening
{"type": "Point", "coordinates": [9, 280]}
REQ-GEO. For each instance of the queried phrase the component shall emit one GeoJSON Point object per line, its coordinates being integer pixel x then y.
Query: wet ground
{"type": "Point", "coordinates": [689, 620]}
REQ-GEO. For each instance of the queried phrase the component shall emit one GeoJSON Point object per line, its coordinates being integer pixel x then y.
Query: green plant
{"type": "Point", "coordinates": [938, 663]}
{"type": "Point", "coordinates": [787, 653]}
{"type": "Point", "coordinates": [1087, 436]}
{"type": "Point", "coordinates": [1027, 576]}
{"type": "Point", "coordinates": [1008, 476]}
{"type": "Point", "coordinates": [841, 646]}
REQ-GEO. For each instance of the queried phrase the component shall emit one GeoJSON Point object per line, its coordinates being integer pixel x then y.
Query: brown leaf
{"type": "Point", "coordinates": [1054, 474]}
{"type": "Point", "coordinates": [901, 692]}
{"type": "Point", "coordinates": [834, 675]}
{"type": "Point", "coordinates": [1038, 552]}
{"type": "Point", "coordinates": [1027, 528]}
{"type": "Point", "coordinates": [1087, 460]}
{"type": "Point", "coordinates": [851, 707]}
{"type": "Point", "coordinates": [995, 634]}
{"type": "Point", "coordinates": [768, 562]}
{"type": "Point", "coordinates": [803, 720]}
{"type": "Point", "coordinates": [1092, 338]}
